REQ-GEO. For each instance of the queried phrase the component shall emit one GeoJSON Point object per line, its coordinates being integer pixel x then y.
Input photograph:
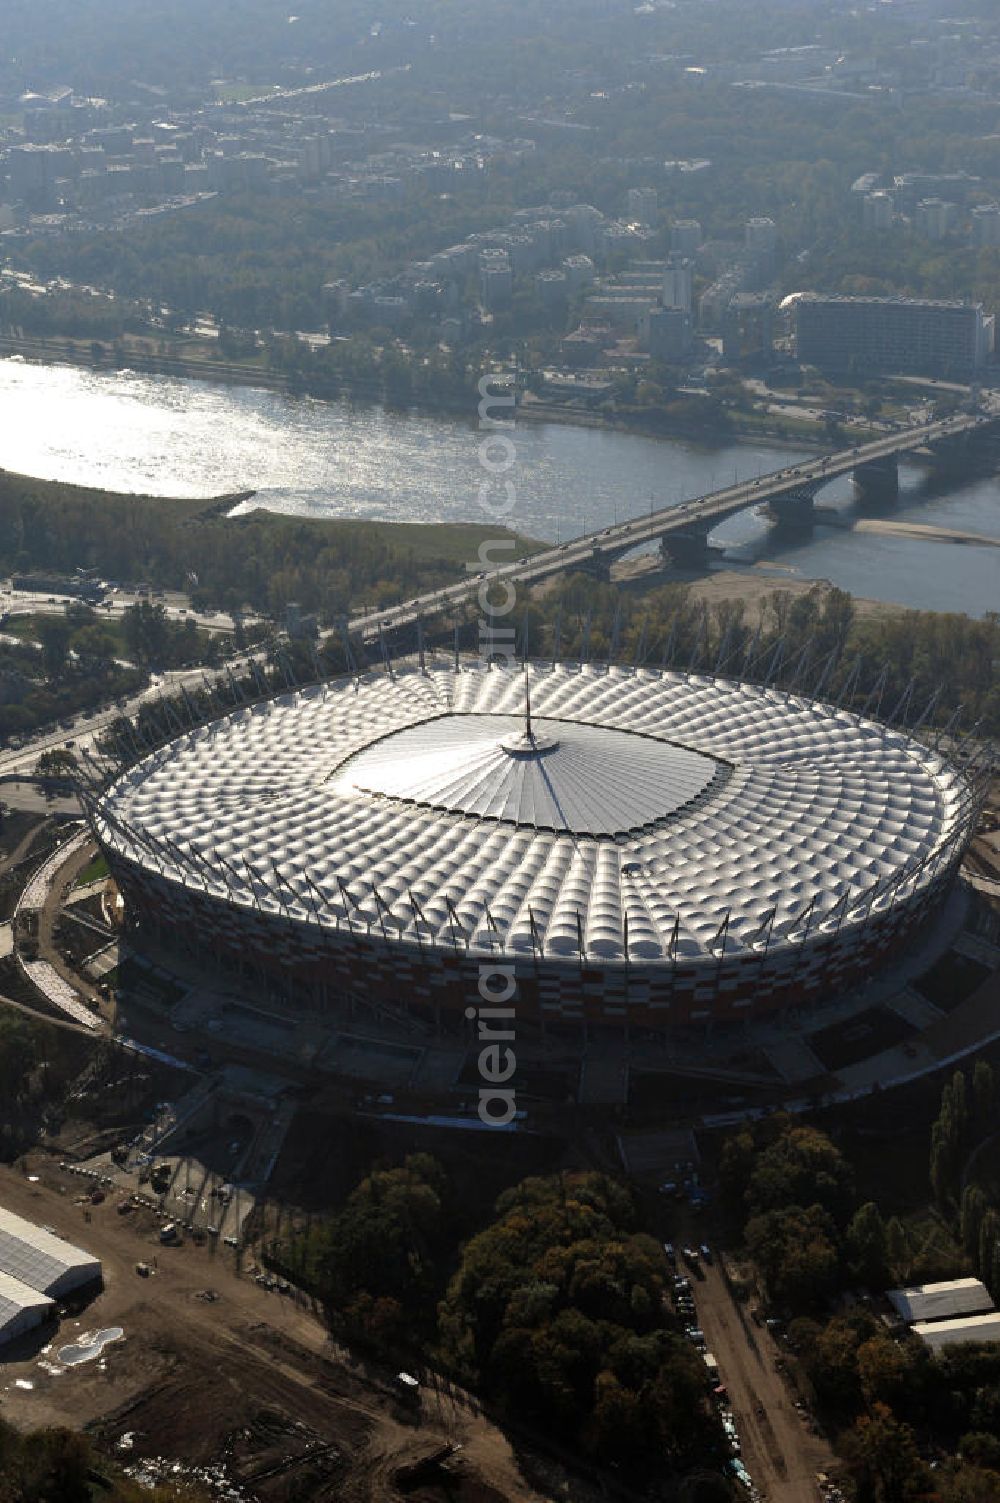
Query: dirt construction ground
{"type": "Point", "coordinates": [212, 1365]}
{"type": "Point", "coordinates": [781, 1454]}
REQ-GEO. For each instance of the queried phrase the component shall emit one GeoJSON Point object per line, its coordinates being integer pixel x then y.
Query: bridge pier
{"type": "Point", "coordinates": [793, 508]}
{"type": "Point", "coordinates": [686, 549]}
{"type": "Point", "coordinates": [598, 566]}
{"type": "Point", "coordinates": [877, 480]}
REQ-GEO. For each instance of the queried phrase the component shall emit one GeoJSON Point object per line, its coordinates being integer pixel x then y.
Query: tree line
{"type": "Point", "coordinates": [890, 1406]}
{"type": "Point", "coordinates": [554, 1311]}
{"type": "Point", "coordinates": [259, 559]}
{"type": "Point", "coordinates": [910, 662]}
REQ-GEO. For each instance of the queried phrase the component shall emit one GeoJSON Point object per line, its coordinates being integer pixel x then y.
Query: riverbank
{"type": "Point", "coordinates": [63, 350]}
{"type": "Point", "coordinates": [133, 353]}
{"type": "Point", "coordinates": [126, 432]}
{"type": "Point", "coordinates": [750, 586]}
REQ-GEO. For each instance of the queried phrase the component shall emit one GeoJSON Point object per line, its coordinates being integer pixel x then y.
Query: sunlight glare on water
{"type": "Point", "coordinates": [163, 436]}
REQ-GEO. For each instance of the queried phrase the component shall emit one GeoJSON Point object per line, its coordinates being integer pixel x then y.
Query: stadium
{"type": "Point", "coordinates": [633, 846]}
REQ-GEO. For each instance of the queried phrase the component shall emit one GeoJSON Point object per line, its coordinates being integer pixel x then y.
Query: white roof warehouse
{"type": "Point", "coordinates": [21, 1308]}
{"type": "Point", "coordinates": [950, 1313]}
{"type": "Point", "coordinates": [43, 1261]}
{"type": "Point", "coordinates": [942, 1301]}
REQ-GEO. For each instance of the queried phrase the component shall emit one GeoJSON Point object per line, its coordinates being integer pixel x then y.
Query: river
{"type": "Point", "coordinates": [168, 437]}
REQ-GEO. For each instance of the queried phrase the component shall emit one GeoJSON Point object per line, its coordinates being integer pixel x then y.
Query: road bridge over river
{"type": "Point", "coordinates": [682, 530]}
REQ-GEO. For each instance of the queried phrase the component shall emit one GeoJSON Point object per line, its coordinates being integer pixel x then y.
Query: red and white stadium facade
{"type": "Point", "coordinates": [650, 847]}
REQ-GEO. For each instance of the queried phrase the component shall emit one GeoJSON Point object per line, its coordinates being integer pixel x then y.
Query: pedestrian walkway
{"type": "Point", "coordinates": [58, 992]}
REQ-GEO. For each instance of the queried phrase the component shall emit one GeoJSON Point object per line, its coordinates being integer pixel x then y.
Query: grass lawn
{"type": "Point", "coordinates": [453, 543]}
{"type": "Point", "coordinates": [94, 871]}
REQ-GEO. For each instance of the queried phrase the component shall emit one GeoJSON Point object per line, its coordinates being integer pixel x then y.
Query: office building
{"type": "Point", "coordinates": [908, 335]}
{"type": "Point", "coordinates": [985, 230]}
{"type": "Point", "coordinates": [877, 211]}
{"type": "Point", "coordinates": [666, 333]}
{"type": "Point", "coordinates": [935, 218]}
{"type": "Point", "coordinates": [748, 327]}
{"type": "Point", "coordinates": [677, 283]}
{"type": "Point", "coordinates": [685, 237]}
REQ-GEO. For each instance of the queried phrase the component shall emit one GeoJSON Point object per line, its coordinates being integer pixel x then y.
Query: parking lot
{"type": "Point", "coordinates": [779, 1456]}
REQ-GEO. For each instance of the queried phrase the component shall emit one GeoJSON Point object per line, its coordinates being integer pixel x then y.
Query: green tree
{"type": "Point", "coordinates": [989, 1237]}
{"type": "Point", "coordinates": [831, 1360]}
{"type": "Point", "coordinates": [145, 631]}
{"type": "Point", "coordinates": [971, 1213]}
{"type": "Point", "coordinates": [984, 1096]}
{"type": "Point", "coordinates": [54, 633]}
{"type": "Point", "coordinates": [801, 1168]}
{"type": "Point", "coordinates": [867, 1246]}
{"type": "Point", "coordinates": [981, 1449]}
{"type": "Point", "coordinates": [796, 1252]}
{"type": "Point", "coordinates": [59, 762]}
{"type": "Point", "coordinates": [557, 1310]}
{"type": "Point", "coordinates": [888, 1466]}
{"type": "Point", "coordinates": [886, 1370]}
{"type": "Point", "coordinates": [94, 643]}
{"type": "Point", "coordinates": [897, 1248]}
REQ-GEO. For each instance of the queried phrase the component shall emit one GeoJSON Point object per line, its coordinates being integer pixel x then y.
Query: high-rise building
{"type": "Point", "coordinates": [892, 334]}
{"type": "Point", "coordinates": [748, 327]}
{"type": "Point", "coordinates": [496, 280]}
{"type": "Point", "coordinates": [986, 225]}
{"type": "Point", "coordinates": [665, 333]}
{"type": "Point", "coordinates": [934, 218]}
{"type": "Point", "coordinates": [877, 211]}
{"type": "Point", "coordinates": [761, 236]}
{"type": "Point", "coordinates": [677, 282]}
{"type": "Point", "coordinates": [33, 171]}
{"type": "Point", "coordinates": [685, 237]}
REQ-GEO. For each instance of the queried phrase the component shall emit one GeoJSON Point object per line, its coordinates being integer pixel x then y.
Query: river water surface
{"type": "Point", "coordinates": [169, 437]}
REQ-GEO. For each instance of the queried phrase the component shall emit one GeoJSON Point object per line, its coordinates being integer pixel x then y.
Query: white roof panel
{"type": "Point", "coordinates": [40, 1259]}
{"type": "Point", "coordinates": [651, 808]}
{"type": "Point", "coordinates": [940, 1301]}
{"type": "Point", "coordinates": [938, 1334]}
{"type": "Point", "coordinates": [16, 1297]}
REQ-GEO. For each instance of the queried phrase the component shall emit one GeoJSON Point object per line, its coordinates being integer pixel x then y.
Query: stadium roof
{"type": "Point", "coordinates": [939, 1334]}
{"type": "Point", "coordinates": [16, 1297]}
{"type": "Point", "coordinates": [940, 1301]}
{"type": "Point", "coordinates": [654, 808]}
{"type": "Point", "coordinates": [582, 779]}
{"type": "Point", "coordinates": [40, 1259]}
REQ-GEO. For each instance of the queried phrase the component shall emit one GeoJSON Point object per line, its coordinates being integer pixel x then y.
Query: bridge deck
{"type": "Point", "coordinates": [694, 518]}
